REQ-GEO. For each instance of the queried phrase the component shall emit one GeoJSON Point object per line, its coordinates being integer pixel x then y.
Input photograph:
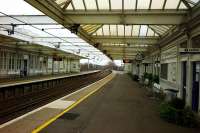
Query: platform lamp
{"type": "Point", "coordinates": [12, 30]}
{"type": "Point", "coordinates": [57, 46]}
{"type": "Point", "coordinates": [79, 51]}
{"type": "Point", "coordinates": [74, 28]}
{"type": "Point", "coordinates": [105, 52]}
{"type": "Point", "coordinates": [96, 45]}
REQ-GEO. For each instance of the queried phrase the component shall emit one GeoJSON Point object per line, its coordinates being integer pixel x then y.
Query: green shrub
{"type": "Point", "coordinates": [145, 75]}
{"type": "Point", "coordinates": [134, 77]}
{"type": "Point", "coordinates": [156, 79]}
{"type": "Point", "coordinates": [177, 103]}
{"type": "Point", "coordinates": [188, 118]}
{"type": "Point", "coordinates": [175, 112]}
{"type": "Point", "coordinates": [167, 112]}
{"type": "Point", "coordinates": [148, 76]}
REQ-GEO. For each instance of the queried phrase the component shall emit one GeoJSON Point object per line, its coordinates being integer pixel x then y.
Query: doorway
{"type": "Point", "coordinates": [195, 86]}
{"type": "Point", "coordinates": [184, 79]}
{"type": "Point", "coordinates": [25, 67]}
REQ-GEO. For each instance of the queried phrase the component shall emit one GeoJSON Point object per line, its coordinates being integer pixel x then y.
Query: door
{"type": "Point", "coordinates": [25, 67]}
{"type": "Point", "coordinates": [195, 87]}
{"type": "Point", "coordinates": [184, 72]}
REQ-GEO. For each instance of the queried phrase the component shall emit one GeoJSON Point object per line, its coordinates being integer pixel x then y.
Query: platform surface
{"type": "Point", "coordinates": [31, 121]}
{"type": "Point", "coordinates": [40, 78]}
{"type": "Point", "coordinates": [121, 106]}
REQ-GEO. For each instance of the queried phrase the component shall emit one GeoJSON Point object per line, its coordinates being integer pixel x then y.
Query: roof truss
{"type": "Point", "coordinates": [166, 17]}
{"type": "Point", "coordinates": [160, 18]}
{"type": "Point", "coordinates": [127, 40]}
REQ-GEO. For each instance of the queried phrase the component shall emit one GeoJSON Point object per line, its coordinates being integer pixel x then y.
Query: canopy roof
{"type": "Point", "coordinates": [118, 28]}
{"type": "Point", "coordinates": [124, 4]}
{"type": "Point", "coordinates": [11, 42]}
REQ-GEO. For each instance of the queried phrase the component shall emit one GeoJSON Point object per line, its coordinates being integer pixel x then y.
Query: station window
{"type": "Point", "coordinates": [164, 71]}
{"type": "Point", "coordinates": [18, 62]}
{"type": "Point", "coordinates": [38, 62]}
{"type": "Point", "coordinates": [34, 62]}
{"type": "Point", "coordinates": [10, 62]}
{"type": "Point", "coordinates": [1, 60]}
{"type": "Point", "coordinates": [5, 59]}
{"type": "Point", "coordinates": [31, 61]}
{"type": "Point", "coordinates": [41, 63]}
{"type": "Point", "coordinates": [13, 61]}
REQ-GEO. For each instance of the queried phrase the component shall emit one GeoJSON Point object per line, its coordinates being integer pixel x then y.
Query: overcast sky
{"type": "Point", "coordinates": [18, 7]}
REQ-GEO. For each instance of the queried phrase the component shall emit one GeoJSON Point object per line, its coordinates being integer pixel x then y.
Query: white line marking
{"type": "Point", "coordinates": [60, 104]}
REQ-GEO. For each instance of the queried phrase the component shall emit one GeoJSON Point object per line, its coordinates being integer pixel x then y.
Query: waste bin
{"type": "Point", "coordinates": [170, 94]}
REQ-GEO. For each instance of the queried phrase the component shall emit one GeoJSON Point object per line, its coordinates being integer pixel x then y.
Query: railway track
{"type": "Point", "coordinates": [28, 97]}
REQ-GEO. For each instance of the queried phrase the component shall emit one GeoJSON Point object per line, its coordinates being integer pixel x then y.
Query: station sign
{"type": "Point", "coordinates": [127, 61]}
{"type": "Point", "coordinates": [189, 50]}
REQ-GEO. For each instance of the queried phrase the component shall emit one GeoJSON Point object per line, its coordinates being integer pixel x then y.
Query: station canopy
{"type": "Point", "coordinates": [119, 29]}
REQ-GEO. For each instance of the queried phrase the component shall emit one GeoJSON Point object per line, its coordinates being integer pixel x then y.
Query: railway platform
{"type": "Point", "coordinates": [11, 82]}
{"type": "Point", "coordinates": [32, 120]}
{"type": "Point", "coordinates": [115, 104]}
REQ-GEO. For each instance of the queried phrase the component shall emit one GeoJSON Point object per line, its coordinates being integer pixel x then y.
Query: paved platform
{"type": "Point", "coordinates": [19, 79]}
{"type": "Point", "coordinates": [40, 78]}
{"type": "Point", "coordinates": [34, 119]}
{"type": "Point", "coordinates": [121, 106]}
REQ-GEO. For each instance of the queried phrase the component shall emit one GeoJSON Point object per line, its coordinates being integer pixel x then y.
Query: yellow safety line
{"type": "Point", "coordinates": [65, 111]}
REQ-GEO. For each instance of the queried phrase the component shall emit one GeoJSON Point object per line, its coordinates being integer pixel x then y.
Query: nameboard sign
{"type": "Point", "coordinates": [189, 50]}
{"type": "Point", "coordinates": [127, 61]}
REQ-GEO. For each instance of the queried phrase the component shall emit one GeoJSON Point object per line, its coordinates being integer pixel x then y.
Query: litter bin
{"type": "Point", "coordinates": [170, 94]}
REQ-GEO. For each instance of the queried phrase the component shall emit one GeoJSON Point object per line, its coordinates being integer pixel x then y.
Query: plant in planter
{"type": "Point", "coordinates": [156, 79]}
{"type": "Point", "coordinates": [177, 103]}
{"type": "Point", "coordinates": [145, 75]}
{"type": "Point", "coordinates": [150, 77]}
{"type": "Point", "coordinates": [175, 112]}
{"type": "Point", "coordinates": [135, 78]}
